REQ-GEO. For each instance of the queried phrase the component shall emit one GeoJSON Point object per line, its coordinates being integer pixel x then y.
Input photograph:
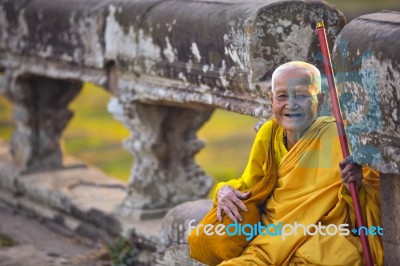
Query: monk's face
{"type": "Point", "coordinates": [295, 100]}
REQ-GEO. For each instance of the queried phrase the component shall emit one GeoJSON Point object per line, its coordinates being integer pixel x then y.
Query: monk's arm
{"type": "Point", "coordinates": [254, 168]}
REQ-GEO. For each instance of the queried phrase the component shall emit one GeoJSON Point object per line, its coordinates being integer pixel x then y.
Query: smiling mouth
{"type": "Point", "coordinates": [293, 115]}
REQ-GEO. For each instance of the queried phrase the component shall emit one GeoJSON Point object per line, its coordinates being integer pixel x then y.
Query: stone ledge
{"type": "Point", "coordinates": [83, 200]}
{"type": "Point", "coordinates": [87, 202]}
{"type": "Point", "coordinates": [235, 45]}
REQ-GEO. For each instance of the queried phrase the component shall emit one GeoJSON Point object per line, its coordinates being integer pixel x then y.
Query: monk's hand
{"type": "Point", "coordinates": [230, 201]}
{"type": "Point", "coordinates": [350, 172]}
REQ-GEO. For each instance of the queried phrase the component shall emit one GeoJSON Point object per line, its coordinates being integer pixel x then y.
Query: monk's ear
{"type": "Point", "coordinates": [270, 97]}
{"type": "Point", "coordinates": [321, 100]}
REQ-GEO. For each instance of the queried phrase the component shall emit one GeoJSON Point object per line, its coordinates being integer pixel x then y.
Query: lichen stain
{"type": "Point", "coordinates": [297, 43]}
{"type": "Point", "coordinates": [222, 69]}
{"type": "Point", "coordinates": [169, 51]}
{"type": "Point", "coordinates": [148, 51]}
{"type": "Point", "coordinates": [46, 52]}
{"type": "Point", "coordinates": [3, 28]}
{"type": "Point", "coordinates": [17, 42]}
{"type": "Point", "coordinates": [136, 46]}
{"type": "Point", "coordinates": [284, 22]}
{"type": "Point", "coordinates": [231, 51]}
{"type": "Point", "coordinates": [195, 52]}
{"type": "Point", "coordinates": [389, 97]}
{"type": "Point", "coordinates": [237, 43]}
{"type": "Point", "coordinates": [93, 50]}
{"type": "Point", "coordinates": [189, 66]}
{"type": "Point", "coordinates": [117, 43]}
{"type": "Point", "coordinates": [23, 25]}
{"type": "Point", "coordinates": [372, 109]}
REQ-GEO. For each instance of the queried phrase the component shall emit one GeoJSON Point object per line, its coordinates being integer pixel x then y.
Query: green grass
{"type": "Point", "coordinates": [228, 137]}
{"type": "Point", "coordinates": [95, 137]}
{"type": "Point", "coordinates": [356, 8]}
{"type": "Point", "coordinates": [6, 124]}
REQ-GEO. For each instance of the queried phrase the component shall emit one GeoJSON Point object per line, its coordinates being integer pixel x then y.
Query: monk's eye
{"type": "Point", "coordinates": [302, 97]}
{"type": "Point", "coordinates": [282, 97]}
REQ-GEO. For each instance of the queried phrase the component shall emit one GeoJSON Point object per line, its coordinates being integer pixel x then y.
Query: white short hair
{"type": "Point", "coordinates": [314, 73]}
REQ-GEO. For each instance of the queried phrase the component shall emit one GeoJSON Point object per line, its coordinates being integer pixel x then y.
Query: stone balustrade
{"type": "Point", "coordinates": [168, 65]}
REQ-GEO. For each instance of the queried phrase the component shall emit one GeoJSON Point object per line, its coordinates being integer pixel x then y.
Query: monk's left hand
{"type": "Point", "coordinates": [350, 172]}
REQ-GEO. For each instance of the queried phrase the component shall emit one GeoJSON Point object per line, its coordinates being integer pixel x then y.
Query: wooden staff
{"type": "Point", "coordinates": [342, 135]}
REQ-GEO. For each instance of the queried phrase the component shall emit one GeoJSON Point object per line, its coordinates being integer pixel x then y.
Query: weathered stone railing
{"type": "Point", "coordinates": [168, 65]}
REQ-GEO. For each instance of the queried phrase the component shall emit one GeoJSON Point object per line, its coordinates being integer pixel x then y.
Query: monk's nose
{"type": "Point", "coordinates": [291, 102]}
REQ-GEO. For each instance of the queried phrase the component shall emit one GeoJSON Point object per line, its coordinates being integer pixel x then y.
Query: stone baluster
{"type": "Point", "coordinates": [163, 142]}
{"type": "Point", "coordinates": [40, 113]}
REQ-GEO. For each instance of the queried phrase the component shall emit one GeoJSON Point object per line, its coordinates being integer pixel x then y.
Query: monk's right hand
{"type": "Point", "coordinates": [230, 201]}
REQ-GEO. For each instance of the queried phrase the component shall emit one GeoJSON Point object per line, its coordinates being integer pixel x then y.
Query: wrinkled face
{"type": "Point", "coordinates": [295, 101]}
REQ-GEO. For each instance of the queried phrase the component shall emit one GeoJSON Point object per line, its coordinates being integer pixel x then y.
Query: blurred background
{"type": "Point", "coordinates": [95, 137]}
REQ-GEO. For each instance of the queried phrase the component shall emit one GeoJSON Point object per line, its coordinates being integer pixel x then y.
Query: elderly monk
{"type": "Point", "coordinates": [312, 185]}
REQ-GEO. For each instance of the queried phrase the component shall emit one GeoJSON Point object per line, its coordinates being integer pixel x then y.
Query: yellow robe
{"type": "Point", "coordinates": [309, 190]}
